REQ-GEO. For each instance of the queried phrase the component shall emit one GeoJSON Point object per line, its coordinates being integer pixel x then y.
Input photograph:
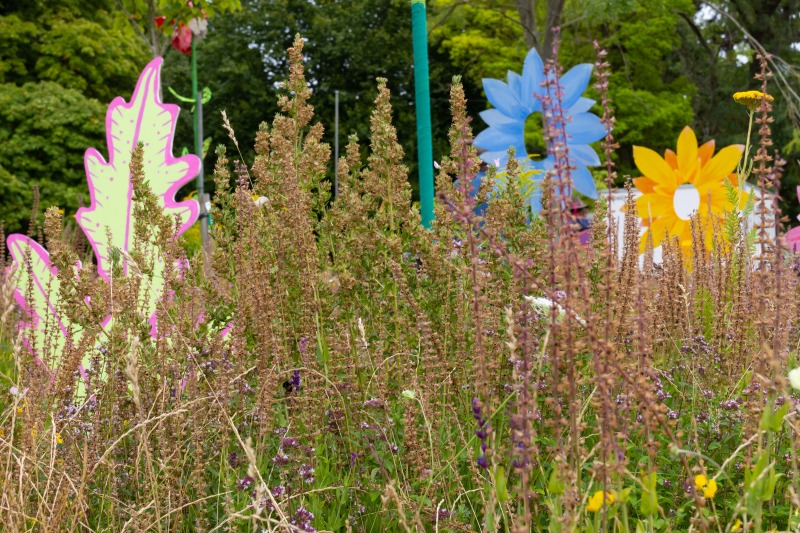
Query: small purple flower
{"type": "Point", "coordinates": [302, 519]}
{"type": "Point", "coordinates": [353, 458]}
{"type": "Point", "coordinates": [280, 459]}
{"type": "Point", "coordinates": [481, 432]}
{"type": "Point", "coordinates": [301, 346]}
{"type": "Point", "coordinates": [233, 460]}
{"type": "Point", "coordinates": [295, 381]}
{"type": "Point", "coordinates": [278, 491]}
{"type": "Point", "coordinates": [244, 483]}
{"type": "Point", "coordinates": [373, 403]}
{"type": "Point", "coordinates": [307, 473]}
{"type": "Point", "coordinates": [289, 442]}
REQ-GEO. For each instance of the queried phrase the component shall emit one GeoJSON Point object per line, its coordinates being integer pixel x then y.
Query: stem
{"type": "Point", "coordinates": [746, 154]}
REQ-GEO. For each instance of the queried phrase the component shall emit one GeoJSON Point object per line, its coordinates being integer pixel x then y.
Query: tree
{"type": "Point", "coordinates": [59, 68]}
{"type": "Point", "coordinates": [349, 43]}
{"type": "Point", "coordinates": [720, 42]}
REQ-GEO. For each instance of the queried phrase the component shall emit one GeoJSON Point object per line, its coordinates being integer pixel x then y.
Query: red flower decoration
{"type": "Point", "coordinates": [182, 39]}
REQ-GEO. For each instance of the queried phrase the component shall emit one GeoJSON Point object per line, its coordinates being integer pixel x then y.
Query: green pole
{"type": "Point", "coordinates": [419, 32]}
{"type": "Point", "coordinates": [198, 143]}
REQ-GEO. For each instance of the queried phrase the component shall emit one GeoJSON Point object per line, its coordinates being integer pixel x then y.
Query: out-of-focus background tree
{"type": "Point", "coordinates": [675, 62]}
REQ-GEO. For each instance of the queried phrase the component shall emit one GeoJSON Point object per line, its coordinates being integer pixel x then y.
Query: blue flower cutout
{"type": "Point", "coordinates": [516, 100]}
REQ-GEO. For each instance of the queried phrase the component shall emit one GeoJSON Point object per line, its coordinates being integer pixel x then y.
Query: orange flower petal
{"type": "Point", "coordinates": [653, 166]}
{"type": "Point", "coordinates": [671, 158]}
{"type": "Point", "coordinates": [644, 184]}
{"type": "Point", "coordinates": [706, 151]}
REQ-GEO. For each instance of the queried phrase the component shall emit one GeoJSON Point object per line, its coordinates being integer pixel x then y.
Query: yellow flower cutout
{"type": "Point", "coordinates": [751, 99]}
{"type": "Point", "coordinates": [682, 184]}
{"type": "Point", "coordinates": [708, 486]}
{"type": "Point", "coordinates": [596, 501]}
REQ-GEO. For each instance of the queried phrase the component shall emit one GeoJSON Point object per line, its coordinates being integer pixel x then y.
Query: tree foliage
{"type": "Point", "coordinates": [59, 68]}
{"type": "Point", "coordinates": [348, 45]}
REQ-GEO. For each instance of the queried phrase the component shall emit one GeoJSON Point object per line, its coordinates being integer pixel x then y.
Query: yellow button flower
{"type": "Point", "coordinates": [700, 481]}
{"type": "Point", "coordinates": [736, 526]}
{"type": "Point", "coordinates": [596, 501]}
{"type": "Point", "coordinates": [710, 490]}
{"type": "Point", "coordinates": [751, 99]}
{"type": "Point", "coordinates": [708, 486]}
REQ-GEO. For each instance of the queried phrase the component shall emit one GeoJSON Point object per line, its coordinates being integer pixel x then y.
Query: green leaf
{"type": "Point", "coordinates": [555, 486]}
{"type": "Point", "coordinates": [500, 483]}
{"type": "Point", "coordinates": [649, 502]}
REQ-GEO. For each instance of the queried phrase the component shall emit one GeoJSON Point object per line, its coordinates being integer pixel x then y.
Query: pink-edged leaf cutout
{"type": "Point", "coordinates": [31, 264]}
{"type": "Point", "coordinates": [148, 120]}
{"type": "Point", "coordinates": [793, 235]}
{"type": "Point", "coordinates": [144, 119]}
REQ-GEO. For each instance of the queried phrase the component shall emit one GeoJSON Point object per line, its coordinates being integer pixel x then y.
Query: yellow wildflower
{"type": "Point", "coordinates": [59, 439]}
{"type": "Point", "coordinates": [736, 526]}
{"type": "Point", "coordinates": [700, 481]}
{"type": "Point", "coordinates": [596, 501]}
{"type": "Point", "coordinates": [708, 486]}
{"type": "Point", "coordinates": [711, 489]}
{"type": "Point", "coordinates": [751, 99]}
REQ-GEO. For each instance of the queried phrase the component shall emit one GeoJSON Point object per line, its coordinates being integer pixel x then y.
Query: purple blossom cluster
{"type": "Point", "coordinates": [481, 432]}
{"type": "Point", "coordinates": [302, 519]}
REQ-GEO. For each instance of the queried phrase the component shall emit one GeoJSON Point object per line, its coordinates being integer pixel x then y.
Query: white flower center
{"type": "Point", "coordinates": [686, 201]}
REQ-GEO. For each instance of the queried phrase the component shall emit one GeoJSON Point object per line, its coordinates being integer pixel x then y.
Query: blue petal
{"type": "Point", "coordinates": [502, 98]}
{"type": "Point", "coordinates": [489, 157]}
{"type": "Point", "coordinates": [585, 128]}
{"type": "Point", "coordinates": [493, 139]}
{"type": "Point", "coordinates": [583, 153]}
{"type": "Point", "coordinates": [493, 117]}
{"type": "Point", "coordinates": [583, 182]}
{"type": "Point", "coordinates": [515, 84]}
{"type": "Point", "coordinates": [581, 106]}
{"type": "Point", "coordinates": [574, 83]}
{"type": "Point", "coordinates": [496, 120]}
{"type": "Point", "coordinates": [532, 77]}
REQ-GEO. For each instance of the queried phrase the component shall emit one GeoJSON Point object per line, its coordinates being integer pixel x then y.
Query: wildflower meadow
{"type": "Point", "coordinates": [324, 361]}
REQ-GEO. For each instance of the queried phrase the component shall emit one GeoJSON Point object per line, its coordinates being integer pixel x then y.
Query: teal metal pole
{"type": "Point", "coordinates": [419, 32]}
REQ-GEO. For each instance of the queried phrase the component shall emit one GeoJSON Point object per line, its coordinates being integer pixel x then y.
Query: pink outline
{"type": "Point", "coordinates": [148, 89]}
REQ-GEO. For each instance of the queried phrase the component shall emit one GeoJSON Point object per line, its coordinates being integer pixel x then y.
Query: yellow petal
{"type": "Point", "coordinates": [660, 229]}
{"type": "Point", "coordinates": [687, 151]}
{"type": "Point", "coordinates": [654, 205]}
{"type": "Point", "coordinates": [721, 165]}
{"type": "Point", "coordinates": [653, 166]}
